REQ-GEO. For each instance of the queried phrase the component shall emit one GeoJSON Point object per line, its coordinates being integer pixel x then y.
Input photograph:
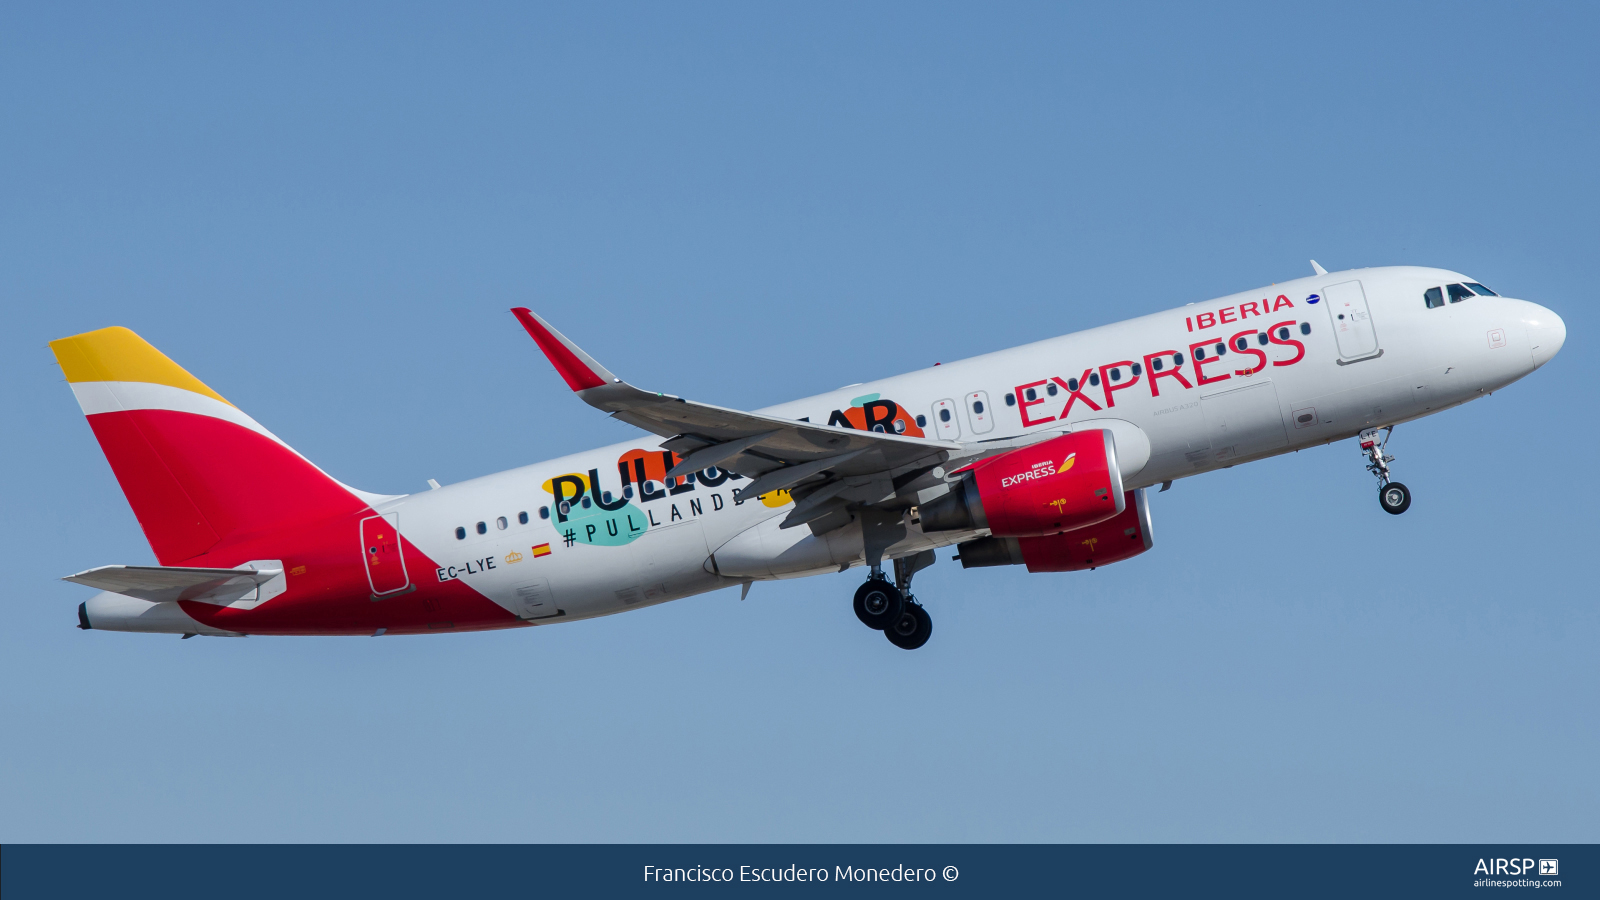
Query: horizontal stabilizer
{"type": "Point", "coordinates": [165, 583]}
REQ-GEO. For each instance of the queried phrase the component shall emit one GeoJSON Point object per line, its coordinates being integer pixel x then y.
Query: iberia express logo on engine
{"type": "Point", "coordinates": [1041, 469]}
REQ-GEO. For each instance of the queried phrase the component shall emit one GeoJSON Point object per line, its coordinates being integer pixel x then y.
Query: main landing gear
{"type": "Point", "coordinates": [878, 602]}
{"type": "Point", "coordinates": [1394, 497]}
{"type": "Point", "coordinates": [890, 608]}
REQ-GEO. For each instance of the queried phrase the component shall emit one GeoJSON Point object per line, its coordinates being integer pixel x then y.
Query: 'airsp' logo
{"type": "Point", "coordinates": [1042, 469]}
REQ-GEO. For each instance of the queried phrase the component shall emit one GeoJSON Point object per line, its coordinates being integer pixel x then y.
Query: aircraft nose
{"type": "Point", "coordinates": [1546, 334]}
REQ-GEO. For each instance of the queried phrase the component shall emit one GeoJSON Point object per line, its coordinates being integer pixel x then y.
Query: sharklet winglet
{"type": "Point", "coordinates": [577, 368]}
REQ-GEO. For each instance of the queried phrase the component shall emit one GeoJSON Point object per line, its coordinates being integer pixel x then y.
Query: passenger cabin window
{"type": "Point", "coordinates": [483, 528]}
{"type": "Point", "coordinates": [944, 415]}
{"type": "Point", "coordinates": [1072, 384]}
{"type": "Point", "coordinates": [1155, 364]}
{"type": "Point", "coordinates": [1283, 334]}
{"type": "Point", "coordinates": [461, 533]}
{"type": "Point", "coordinates": [501, 523]}
{"type": "Point", "coordinates": [1050, 389]}
{"type": "Point", "coordinates": [922, 421]}
{"type": "Point", "coordinates": [1457, 292]}
{"type": "Point", "coordinates": [1177, 359]}
{"type": "Point", "coordinates": [1433, 297]}
{"type": "Point", "coordinates": [1011, 399]}
{"type": "Point", "coordinates": [522, 518]}
{"type": "Point", "coordinates": [900, 424]}
{"type": "Point", "coordinates": [1094, 379]}
{"type": "Point", "coordinates": [1116, 374]}
{"type": "Point", "coordinates": [1242, 343]}
{"type": "Point", "coordinates": [1261, 338]}
{"type": "Point", "coordinates": [1032, 394]}
{"type": "Point", "coordinates": [1136, 370]}
{"type": "Point", "coordinates": [977, 407]}
{"type": "Point", "coordinates": [1305, 327]}
{"type": "Point", "coordinates": [1199, 353]}
{"type": "Point", "coordinates": [544, 512]}
{"type": "Point", "coordinates": [1222, 349]}
{"type": "Point", "coordinates": [1481, 290]}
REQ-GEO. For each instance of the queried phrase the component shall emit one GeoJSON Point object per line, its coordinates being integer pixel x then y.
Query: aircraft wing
{"type": "Point", "coordinates": [162, 583]}
{"type": "Point", "coordinates": [849, 466]}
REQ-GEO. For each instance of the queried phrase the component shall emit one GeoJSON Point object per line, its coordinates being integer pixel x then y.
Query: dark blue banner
{"type": "Point", "coordinates": [177, 872]}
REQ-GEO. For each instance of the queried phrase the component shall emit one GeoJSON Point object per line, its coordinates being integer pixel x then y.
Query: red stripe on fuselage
{"type": "Point", "coordinates": [328, 592]}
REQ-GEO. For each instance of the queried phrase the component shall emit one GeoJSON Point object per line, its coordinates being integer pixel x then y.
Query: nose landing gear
{"type": "Point", "coordinates": [890, 607]}
{"type": "Point", "coordinates": [1394, 497]}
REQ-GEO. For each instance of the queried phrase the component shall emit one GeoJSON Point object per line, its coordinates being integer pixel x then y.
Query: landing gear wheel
{"type": "Point", "coordinates": [1395, 498]}
{"type": "Point", "coordinates": [912, 629]}
{"type": "Point", "coordinates": [878, 604]}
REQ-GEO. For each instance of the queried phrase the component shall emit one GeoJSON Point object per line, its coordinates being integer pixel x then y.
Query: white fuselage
{"type": "Point", "coordinates": [1314, 379]}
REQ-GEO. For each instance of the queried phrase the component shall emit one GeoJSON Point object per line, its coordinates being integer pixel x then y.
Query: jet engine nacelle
{"type": "Point", "coordinates": [1121, 537]}
{"type": "Point", "coordinates": [1067, 482]}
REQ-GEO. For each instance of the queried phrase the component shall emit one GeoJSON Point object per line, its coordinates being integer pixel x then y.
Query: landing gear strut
{"type": "Point", "coordinates": [1394, 497]}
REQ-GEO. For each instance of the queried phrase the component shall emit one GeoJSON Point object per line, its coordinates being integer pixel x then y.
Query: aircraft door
{"type": "Point", "coordinates": [979, 415]}
{"type": "Point", "coordinates": [386, 563]}
{"type": "Point", "coordinates": [945, 425]}
{"type": "Point", "coordinates": [1351, 320]}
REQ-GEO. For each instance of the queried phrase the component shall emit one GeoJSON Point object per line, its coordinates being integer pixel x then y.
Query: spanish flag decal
{"type": "Point", "coordinates": [541, 550]}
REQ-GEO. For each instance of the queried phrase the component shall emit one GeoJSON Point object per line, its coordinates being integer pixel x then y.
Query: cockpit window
{"type": "Point", "coordinates": [1480, 289]}
{"type": "Point", "coordinates": [1457, 292]}
{"type": "Point", "coordinates": [1434, 297]}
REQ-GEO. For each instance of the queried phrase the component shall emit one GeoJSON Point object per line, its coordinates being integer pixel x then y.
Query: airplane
{"type": "Point", "coordinates": [1043, 456]}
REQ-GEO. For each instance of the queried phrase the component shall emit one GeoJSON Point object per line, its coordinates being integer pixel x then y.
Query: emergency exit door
{"type": "Point", "coordinates": [386, 562]}
{"type": "Point", "coordinates": [979, 415]}
{"type": "Point", "coordinates": [1352, 321]}
{"type": "Point", "coordinates": [945, 425]}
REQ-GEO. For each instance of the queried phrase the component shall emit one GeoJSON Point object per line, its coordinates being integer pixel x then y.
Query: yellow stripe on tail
{"type": "Point", "coordinates": [117, 354]}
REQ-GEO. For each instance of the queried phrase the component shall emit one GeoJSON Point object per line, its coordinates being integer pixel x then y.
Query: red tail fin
{"type": "Point", "coordinates": [195, 469]}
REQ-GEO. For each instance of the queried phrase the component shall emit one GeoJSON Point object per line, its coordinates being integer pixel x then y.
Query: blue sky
{"type": "Point", "coordinates": [324, 213]}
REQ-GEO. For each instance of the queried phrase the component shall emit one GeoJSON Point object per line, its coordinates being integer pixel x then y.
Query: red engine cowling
{"type": "Point", "coordinates": [1123, 537]}
{"type": "Point", "coordinates": [1067, 482]}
